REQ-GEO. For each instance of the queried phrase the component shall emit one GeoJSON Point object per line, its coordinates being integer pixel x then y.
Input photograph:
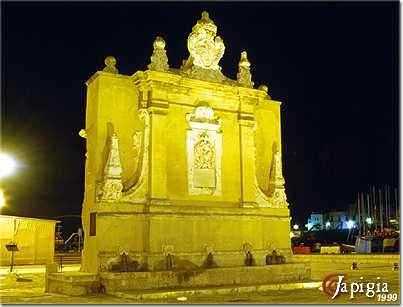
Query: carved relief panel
{"type": "Point", "coordinates": [204, 148]}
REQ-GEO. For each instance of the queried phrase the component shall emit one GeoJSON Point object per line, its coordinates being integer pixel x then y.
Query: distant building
{"type": "Point", "coordinates": [315, 222]}
{"type": "Point", "coordinates": [337, 219]}
{"type": "Point", "coordinates": [330, 220]}
{"type": "Point", "coordinates": [35, 239]}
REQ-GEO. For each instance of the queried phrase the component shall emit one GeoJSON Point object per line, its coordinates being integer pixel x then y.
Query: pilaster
{"type": "Point", "coordinates": [248, 193]}
{"type": "Point", "coordinates": [158, 152]}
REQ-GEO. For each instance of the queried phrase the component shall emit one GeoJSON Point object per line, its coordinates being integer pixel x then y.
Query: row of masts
{"type": "Point", "coordinates": [376, 209]}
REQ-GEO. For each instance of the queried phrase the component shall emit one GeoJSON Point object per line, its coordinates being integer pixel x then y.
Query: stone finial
{"type": "Point", "coordinates": [83, 133]}
{"type": "Point", "coordinates": [112, 181]}
{"type": "Point", "coordinates": [276, 176]}
{"type": "Point", "coordinates": [244, 62]}
{"type": "Point", "coordinates": [206, 23]}
{"type": "Point", "coordinates": [110, 63]}
{"type": "Point", "coordinates": [276, 181]}
{"type": "Point", "coordinates": [265, 89]}
{"type": "Point", "coordinates": [244, 76]}
{"type": "Point", "coordinates": [159, 58]}
{"type": "Point", "coordinates": [113, 168]}
{"type": "Point", "coordinates": [159, 43]}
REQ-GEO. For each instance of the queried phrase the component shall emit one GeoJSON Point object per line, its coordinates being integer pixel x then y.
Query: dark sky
{"type": "Point", "coordinates": [334, 66]}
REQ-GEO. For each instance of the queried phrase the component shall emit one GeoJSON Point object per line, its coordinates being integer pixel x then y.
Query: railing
{"type": "Point", "coordinates": [67, 258]}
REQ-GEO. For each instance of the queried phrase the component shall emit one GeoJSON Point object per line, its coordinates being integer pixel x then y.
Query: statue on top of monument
{"type": "Point", "coordinates": [205, 48]}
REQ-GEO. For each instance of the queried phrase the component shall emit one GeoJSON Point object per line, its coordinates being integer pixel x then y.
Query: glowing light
{"type": "Point", "coordinates": [7, 165]}
{"type": "Point", "coordinates": [308, 226]}
{"type": "Point", "coordinates": [296, 227]}
{"type": "Point", "coordinates": [182, 298]}
{"type": "Point", "coordinates": [368, 220]}
{"type": "Point", "coordinates": [350, 224]}
{"type": "Point", "coordinates": [327, 224]}
{"type": "Point", "coordinates": [292, 235]}
{"type": "Point", "coordinates": [2, 199]}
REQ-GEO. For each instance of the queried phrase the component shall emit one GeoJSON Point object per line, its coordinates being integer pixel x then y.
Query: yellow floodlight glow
{"type": "Point", "coordinates": [7, 165]}
{"type": "Point", "coordinates": [2, 199]}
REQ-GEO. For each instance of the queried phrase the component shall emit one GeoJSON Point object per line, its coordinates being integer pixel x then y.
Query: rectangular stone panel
{"type": "Point", "coordinates": [204, 178]}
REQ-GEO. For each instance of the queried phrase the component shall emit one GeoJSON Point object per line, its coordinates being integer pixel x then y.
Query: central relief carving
{"type": "Point", "coordinates": [204, 147]}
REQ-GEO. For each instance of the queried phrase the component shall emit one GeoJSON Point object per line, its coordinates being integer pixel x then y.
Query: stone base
{"type": "Point", "coordinates": [247, 275]}
{"type": "Point", "coordinates": [73, 283]}
{"type": "Point", "coordinates": [134, 295]}
{"type": "Point", "coordinates": [186, 231]}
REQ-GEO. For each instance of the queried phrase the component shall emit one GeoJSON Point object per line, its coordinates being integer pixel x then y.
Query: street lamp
{"type": "Point", "coordinates": [327, 224]}
{"type": "Point", "coordinates": [7, 165]}
{"type": "Point", "coordinates": [350, 224]}
{"type": "Point", "coordinates": [296, 227]}
{"type": "Point", "coordinates": [368, 220]}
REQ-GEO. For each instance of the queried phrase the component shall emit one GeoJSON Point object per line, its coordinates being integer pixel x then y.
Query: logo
{"type": "Point", "coordinates": [329, 285]}
{"type": "Point", "coordinates": [335, 284]}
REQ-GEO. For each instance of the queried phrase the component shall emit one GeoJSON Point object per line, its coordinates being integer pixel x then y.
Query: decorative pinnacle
{"type": "Point", "coordinates": [110, 63]}
{"type": "Point", "coordinates": [244, 62]}
{"type": "Point", "coordinates": [206, 23]}
{"type": "Point", "coordinates": [159, 43]}
{"type": "Point", "coordinates": [113, 168]}
{"type": "Point", "coordinates": [83, 133]}
{"type": "Point", "coordinates": [159, 58]}
{"type": "Point", "coordinates": [205, 17]}
{"type": "Point", "coordinates": [263, 88]}
{"type": "Point", "coordinates": [244, 76]}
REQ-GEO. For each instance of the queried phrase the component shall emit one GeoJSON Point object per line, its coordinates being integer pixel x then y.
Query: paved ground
{"type": "Point", "coordinates": [31, 289]}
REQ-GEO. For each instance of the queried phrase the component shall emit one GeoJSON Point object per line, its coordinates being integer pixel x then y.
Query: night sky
{"type": "Point", "coordinates": [333, 65]}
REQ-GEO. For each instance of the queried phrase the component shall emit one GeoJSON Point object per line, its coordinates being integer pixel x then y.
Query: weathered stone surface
{"type": "Point", "coordinates": [253, 275]}
{"type": "Point", "coordinates": [73, 283]}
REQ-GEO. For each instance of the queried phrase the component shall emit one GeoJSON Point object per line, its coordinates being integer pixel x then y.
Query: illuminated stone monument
{"type": "Point", "coordinates": [183, 167]}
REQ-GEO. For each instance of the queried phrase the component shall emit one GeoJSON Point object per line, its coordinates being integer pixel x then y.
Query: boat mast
{"type": "Point", "coordinates": [380, 209]}
{"type": "Point", "coordinates": [368, 214]}
{"type": "Point", "coordinates": [396, 211]}
{"type": "Point", "coordinates": [359, 214]}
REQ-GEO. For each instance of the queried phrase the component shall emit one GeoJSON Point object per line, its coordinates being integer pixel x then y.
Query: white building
{"type": "Point", "coordinates": [35, 239]}
{"type": "Point", "coordinates": [330, 220]}
{"type": "Point", "coordinates": [315, 222]}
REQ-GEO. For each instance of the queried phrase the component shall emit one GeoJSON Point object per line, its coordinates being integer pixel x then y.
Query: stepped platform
{"type": "Point", "coordinates": [80, 283]}
{"type": "Point", "coordinates": [182, 294]}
